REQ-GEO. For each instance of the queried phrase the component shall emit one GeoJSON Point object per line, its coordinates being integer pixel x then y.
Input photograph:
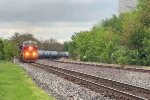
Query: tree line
{"type": "Point", "coordinates": [10, 47]}
{"type": "Point", "coordinates": [123, 39]}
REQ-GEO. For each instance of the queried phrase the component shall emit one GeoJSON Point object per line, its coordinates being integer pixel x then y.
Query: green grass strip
{"type": "Point", "coordinates": [16, 85]}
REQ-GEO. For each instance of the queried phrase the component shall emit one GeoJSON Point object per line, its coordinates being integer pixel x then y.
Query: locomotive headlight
{"type": "Point", "coordinates": [30, 48]}
{"type": "Point", "coordinates": [34, 54]}
{"type": "Point", "coordinates": [27, 54]}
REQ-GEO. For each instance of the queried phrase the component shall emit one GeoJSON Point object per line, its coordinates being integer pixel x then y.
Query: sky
{"type": "Point", "coordinates": [58, 19]}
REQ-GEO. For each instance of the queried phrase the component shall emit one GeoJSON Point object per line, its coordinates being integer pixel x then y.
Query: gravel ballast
{"type": "Point", "coordinates": [129, 77]}
{"type": "Point", "coordinates": [59, 87]}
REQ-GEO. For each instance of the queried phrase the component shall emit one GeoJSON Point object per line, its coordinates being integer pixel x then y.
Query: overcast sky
{"type": "Point", "coordinates": [58, 19]}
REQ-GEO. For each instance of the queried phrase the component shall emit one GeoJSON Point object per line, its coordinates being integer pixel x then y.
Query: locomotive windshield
{"type": "Point", "coordinates": [29, 43]}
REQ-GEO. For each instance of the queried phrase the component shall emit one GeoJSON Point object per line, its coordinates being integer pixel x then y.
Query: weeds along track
{"type": "Point", "coordinates": [105, 66]}
{"type": "Point", "coordinates": [112, 89]}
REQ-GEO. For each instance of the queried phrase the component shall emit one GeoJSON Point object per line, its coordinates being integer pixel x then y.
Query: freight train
{"type": "Point", "coordinates": [30, 53]}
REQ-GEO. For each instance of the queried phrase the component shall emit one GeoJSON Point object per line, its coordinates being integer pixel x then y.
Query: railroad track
{"type": "Point", "coordinates": [112, 89]}
{"type": "Point", "coordinates": [106, 66]}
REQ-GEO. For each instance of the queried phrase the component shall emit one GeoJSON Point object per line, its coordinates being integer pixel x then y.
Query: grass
{"type": "Point", "coordinates": [16, 85]}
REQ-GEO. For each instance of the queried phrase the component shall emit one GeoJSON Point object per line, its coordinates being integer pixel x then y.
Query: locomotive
{"type": "Point", "coordinates": [30, 53]}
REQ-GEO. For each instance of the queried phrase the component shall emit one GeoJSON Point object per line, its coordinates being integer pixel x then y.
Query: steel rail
{"type": "Point", "coordinates": [107, 87]}
{"type": "Point", "coordinates": [107, 66]}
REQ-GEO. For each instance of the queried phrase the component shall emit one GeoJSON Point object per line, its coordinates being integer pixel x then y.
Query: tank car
{"type": "Point", "coordinates": [52, 54]}
{"type": "Point", "coordinates": [29, 51]}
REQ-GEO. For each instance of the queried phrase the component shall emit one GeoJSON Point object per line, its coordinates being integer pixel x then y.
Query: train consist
{"type": "Point", "coordinates": [30, 53]}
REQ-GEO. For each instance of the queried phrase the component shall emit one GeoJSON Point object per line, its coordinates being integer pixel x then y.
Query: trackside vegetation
{"type": "Point", "coordinates": [16, 85]}
{"type": "Point", "coordinates": [122, 39]}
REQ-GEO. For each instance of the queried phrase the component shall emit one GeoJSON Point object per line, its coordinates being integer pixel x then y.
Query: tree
{"type": "Point", "coordinates": [144, 12]}
{"type": "Point", "coordinates": [66, 46]}
{"type": "Point", "coordinates": [18, 39]}
{"type": "Point", "coordinates": [10, 49]}
{"type": "Point", "coordinates": [123, 39]}
{"type": "Point", "coordinates": [51, 44]}
{"type": "Point", "coordinates": [2, 53]}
